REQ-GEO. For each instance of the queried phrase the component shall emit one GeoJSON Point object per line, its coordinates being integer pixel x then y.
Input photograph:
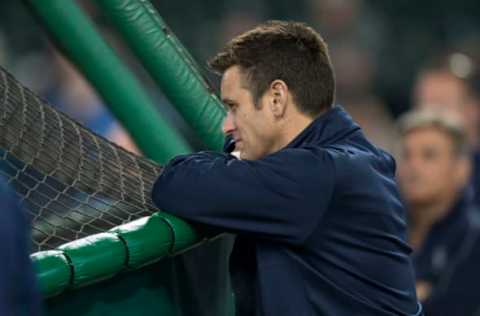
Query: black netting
{"type": "Point", "coordinates": [74, 183]}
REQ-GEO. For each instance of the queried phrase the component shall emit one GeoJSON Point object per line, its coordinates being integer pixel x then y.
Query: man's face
{"type": "Point", "coordinates": [252, 127]}
{"type": "Point", "coordinates": [428, 168]}
{"type": "Point", "coordinates": [441, 91]}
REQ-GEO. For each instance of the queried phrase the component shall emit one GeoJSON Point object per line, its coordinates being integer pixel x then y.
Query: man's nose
{"type": "Point", "coordinates": [228, 124]}
{"type": "Point", "coordinates": [414, 165]}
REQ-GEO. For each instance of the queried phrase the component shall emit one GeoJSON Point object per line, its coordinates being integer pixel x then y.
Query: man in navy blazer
{"type": "Point", "coordinates": [320, 228]}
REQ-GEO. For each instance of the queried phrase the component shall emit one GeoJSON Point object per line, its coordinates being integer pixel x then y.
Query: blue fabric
{"type": "Point", "coordinates": [449, 261]}
{"type": "Point", "coordinates": [475, 180]}
{"type": "Point", "coordinates": [321, 230]}
{"type": "Point", "coordinates": [18, 291]}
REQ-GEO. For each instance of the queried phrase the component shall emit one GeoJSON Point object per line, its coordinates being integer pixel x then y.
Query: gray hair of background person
{"type": "Point", "coordinates": [448, 124]}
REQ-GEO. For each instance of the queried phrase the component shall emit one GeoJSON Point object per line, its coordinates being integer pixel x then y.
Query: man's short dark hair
{"type": "Point", "coordinates": [288, 51]}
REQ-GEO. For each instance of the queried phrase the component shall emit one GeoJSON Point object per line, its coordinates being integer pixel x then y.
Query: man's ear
{"type": "Point", "coordinates": [278, 98]}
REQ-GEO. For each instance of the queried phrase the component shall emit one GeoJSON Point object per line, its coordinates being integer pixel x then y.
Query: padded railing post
{"type": "Point", "coordinates": [170, 65]}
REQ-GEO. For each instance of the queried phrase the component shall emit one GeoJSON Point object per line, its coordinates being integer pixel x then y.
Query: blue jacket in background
{"type": "Point", "coordinates": [449, 261]}
{"type": "Point", "coordinates": [18, 290]}
{"type": "Point", "coordinates": [321, 230]}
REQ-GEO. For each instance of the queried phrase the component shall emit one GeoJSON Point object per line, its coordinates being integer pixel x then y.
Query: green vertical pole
{"type": "Point", "coordinates": [76, 34]}
{"type": "Point", "coordinates": [170, 65]}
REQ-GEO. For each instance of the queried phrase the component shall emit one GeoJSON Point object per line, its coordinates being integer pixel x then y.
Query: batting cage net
{"type": "Point", "coordinates": [73, 182]}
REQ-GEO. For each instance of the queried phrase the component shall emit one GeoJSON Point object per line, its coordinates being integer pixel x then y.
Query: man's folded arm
{"type": "Point", "coordinates": [280, 197]}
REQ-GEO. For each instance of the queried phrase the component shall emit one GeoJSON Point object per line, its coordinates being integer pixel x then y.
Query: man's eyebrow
{"type": "Point", "coordinates": [228, 102]}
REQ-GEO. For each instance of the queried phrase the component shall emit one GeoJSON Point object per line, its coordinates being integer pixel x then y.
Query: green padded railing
{"type": "Point", "coordinates": [101, 256]}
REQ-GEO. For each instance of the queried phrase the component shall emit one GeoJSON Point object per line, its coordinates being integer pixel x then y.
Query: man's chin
{"type": "Point", "coordinates": [244, 155]}
{"type": "Point", "coordinates": [420, 200]}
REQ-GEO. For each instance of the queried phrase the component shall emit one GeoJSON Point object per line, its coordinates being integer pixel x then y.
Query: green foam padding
{"type": "Point", "coordinates": [53, 271]}
{"type": "Point", "coordinates": [148, 239]}
{"type": "Point", "coordinates": [95, 257]}
{"type": "Point", "coordinates": [185, 235]}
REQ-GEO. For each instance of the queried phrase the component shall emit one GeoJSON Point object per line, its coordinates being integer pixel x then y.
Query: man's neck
{"type": "Point", "coordinates": [424, 216]}
{"type": "Point", "coordinates": [293, 126]}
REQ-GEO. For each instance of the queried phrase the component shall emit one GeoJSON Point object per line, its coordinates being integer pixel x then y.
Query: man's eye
{"type": "Point", "coordinates": [430, 154]}
{"type": "Point", "coordinates": [228, 106]}
{"type": "Point", "coordinates": [233, 108]}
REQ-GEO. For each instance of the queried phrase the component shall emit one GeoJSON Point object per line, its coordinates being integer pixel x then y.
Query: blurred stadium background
{"type": "Point", "coordinates": [377, 47]}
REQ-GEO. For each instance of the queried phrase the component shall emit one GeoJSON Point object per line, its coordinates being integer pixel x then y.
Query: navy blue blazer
{"type": "Point", "coordinates": [19, 295]}
{"type": "Point", "coordinates": [449, 261]}
{"type": "Point", "coordinates": [321, 229]}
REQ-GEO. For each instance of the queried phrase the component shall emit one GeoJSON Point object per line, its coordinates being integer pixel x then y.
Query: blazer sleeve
{"type": "Point", "coordinates": [281, 197]}
{"type": "Point", "coordinates": [18, 290]}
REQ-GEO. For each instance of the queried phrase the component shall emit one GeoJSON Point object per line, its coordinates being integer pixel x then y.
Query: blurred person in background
{"type": "Point", "coordinates": [18, 288]}
{"type": "Point", "coordinates": [355, 36]}
{"type": "Point", "coordinates": [448, 84]}
{"type": "Point", "coordinates": [354, 77]}
{"type": "Point", "coordinates": [72, 94]}
{"type": "Point", "coordinates": [444, 227]}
